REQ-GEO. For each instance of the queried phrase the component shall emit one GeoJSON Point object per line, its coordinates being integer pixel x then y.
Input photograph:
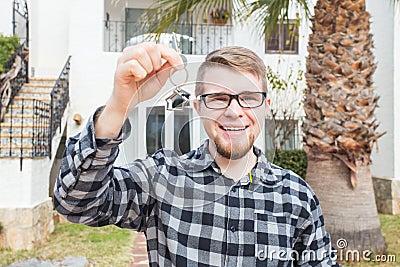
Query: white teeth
{"type": "Point", "coordinates": [233, 128]}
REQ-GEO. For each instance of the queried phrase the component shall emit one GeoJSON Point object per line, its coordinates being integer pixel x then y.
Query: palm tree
{"type": "Point", "coordinates": [340, 126]}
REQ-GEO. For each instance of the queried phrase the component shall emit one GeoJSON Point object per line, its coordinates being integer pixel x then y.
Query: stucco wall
{"type": "Point", "coordinates": [27, 188]}
{"type": "Point", "coordinates": [382, 27]}
{"type": "Point", "coordinates": [6, 7]}
{"type": "Point", "coordinates": [48, 36]}
{"type": "Point", "coordinates": [396, 94]}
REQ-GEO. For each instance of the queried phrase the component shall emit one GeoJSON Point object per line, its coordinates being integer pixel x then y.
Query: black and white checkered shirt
{"type": "Point", "coordinates": [192, 214]}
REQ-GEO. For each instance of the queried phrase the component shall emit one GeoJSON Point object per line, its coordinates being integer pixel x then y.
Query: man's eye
{"type": "Point", "coordinates": [218, 98]}
{"type": "Point", "coordinates": [249, 98]}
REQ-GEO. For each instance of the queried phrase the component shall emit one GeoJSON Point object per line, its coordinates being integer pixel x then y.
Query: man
{"type": "Point", "coordinates": [268, 216]}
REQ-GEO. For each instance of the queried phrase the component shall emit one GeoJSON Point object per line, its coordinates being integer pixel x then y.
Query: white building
{"type": "Point", "coordinates": [94, 32]}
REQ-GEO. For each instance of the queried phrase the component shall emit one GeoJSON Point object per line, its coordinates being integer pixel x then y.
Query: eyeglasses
{"type": "Point", "coordinates": [221, 100]}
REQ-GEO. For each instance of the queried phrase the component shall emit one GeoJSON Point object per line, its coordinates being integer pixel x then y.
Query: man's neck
{"type": "Point", "coordinates": [235, 169]}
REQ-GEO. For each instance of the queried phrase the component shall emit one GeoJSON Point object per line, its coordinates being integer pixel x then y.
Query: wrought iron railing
{"type": "Point", "coordinates": [24, 132]}
{"type": "Point", "coordinates": [195, 39]}
{"type": "Point", "coordinates": [59, 101]}
{"type": "Point", "coordinates": [20, 20]}
{"type": "Point", "coordinates": [14, 77]}
{"type": "Point", "coordinates": [41, 144]}
{"type": "Point", "coordinates": [30, 124]}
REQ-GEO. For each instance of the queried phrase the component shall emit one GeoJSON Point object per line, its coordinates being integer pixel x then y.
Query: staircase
{"type": "Point", "coordinates": [33, 117]}
{"type": "Point", "coordinates": [26, 125]}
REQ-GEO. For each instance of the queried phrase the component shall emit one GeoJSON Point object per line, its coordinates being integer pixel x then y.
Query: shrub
{"type": "Point", "coordinates": [8, 45]}
{"type": "Point", "coordinates": [294, 160]}
{"type": "Point", "coordinates": [1, 228]}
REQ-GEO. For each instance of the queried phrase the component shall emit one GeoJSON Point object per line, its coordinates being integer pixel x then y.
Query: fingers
{"type": "Point", "coordinates": [150, 56]}
{"type": "Point", "coordinates": [131, 69]}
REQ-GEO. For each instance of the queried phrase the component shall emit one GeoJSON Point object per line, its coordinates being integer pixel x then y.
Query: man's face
{"type": "Point", "coordinates": [233, 129]}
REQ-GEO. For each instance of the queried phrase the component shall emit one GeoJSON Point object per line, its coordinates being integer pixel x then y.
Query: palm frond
{"type": "Point", "coordinates": [267, 14]}
{"type": "Point", "coordinates": [166, 15]}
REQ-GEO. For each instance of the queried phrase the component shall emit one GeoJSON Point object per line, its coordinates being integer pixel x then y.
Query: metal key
{"type": "Point", "coordinates": [179, 97]}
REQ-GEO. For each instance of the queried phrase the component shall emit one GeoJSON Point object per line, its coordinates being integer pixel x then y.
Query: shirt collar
{"type": "Point", "coordinates": [201, 159]}
{"type": "Point", "coordinates": [263, 169]}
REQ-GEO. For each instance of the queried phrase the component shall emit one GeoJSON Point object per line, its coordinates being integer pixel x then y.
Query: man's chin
{"type": "Point", "coordinates": [229, 154]}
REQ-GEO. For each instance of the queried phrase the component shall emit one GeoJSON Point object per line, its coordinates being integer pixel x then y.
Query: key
{"type": "Point", "coordinates": [179, 97]}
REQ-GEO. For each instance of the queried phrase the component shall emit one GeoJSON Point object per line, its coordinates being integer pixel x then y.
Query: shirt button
{"type": "Point", "coordinates": [233, 228]}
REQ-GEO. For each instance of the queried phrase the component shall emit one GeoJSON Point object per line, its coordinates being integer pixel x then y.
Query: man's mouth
{"type": "Point", "coordinates": [233, 129]}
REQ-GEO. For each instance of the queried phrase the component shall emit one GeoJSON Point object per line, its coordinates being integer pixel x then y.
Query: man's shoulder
{"type": "Point", "coordinates": [287, 175]}
{"type": "Point", "coordinates": [292, 180]}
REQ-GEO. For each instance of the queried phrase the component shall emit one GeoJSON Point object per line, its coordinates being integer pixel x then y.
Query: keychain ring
{"type": "Point", "coordinates": [171, 73]}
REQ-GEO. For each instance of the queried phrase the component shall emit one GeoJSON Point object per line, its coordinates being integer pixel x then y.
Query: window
{"type": "Point", "coordinates": [154, 128]}
{"type": "Point", "coordinates": [133, 24]}
{"type": "Point", "coordinates": [182, 131]}
{"type": "Point", "coordinates": [284, 39]}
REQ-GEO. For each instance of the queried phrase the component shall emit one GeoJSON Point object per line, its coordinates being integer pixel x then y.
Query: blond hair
{"type": "Point", "coordinates": [237, 57]}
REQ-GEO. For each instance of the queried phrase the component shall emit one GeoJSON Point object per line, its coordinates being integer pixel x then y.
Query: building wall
{"type": "Point", "coordinates": [396, 92]}
{"type": "Point", "coordinates": [383, 29]}
{"type": "Point", "coordinates": [48, 36]}
{"type": "Point", "coordinates": [6, 7]}
{"type": "Point", "coordinates": [27, 188]}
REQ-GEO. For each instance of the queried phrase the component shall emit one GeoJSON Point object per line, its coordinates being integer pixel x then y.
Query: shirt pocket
{"type": "Point", "coordinates": [274, 235]}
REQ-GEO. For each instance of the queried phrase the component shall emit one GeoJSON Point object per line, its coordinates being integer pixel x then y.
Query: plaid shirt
{"type": "Point", "coordinates": [192, 214]}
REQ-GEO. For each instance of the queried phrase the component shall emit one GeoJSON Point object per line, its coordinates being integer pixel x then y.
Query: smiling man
{"type": "Point", "coordinates": [222, 204]}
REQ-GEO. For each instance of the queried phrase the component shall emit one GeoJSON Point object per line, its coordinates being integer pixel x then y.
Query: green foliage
{"type": "Point", "coordinates": [102, 246]}
{"type": "Point", "coordinates": [292, 81]}
{"type": "Point", "coordinates": [8, 45]}
{"type": "Point", "coordinates": [294, 160]}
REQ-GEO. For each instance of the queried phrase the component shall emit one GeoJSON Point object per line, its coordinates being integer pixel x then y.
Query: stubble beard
{"type": "Point", "coordinates": [230, 152]}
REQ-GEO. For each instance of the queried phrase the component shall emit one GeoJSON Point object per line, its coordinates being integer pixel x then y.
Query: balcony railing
{"type": "Point", "coordinates": [196, 39]}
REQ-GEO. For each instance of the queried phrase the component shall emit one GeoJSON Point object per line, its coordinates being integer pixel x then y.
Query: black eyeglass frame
{"type": "Point", "coordinates": [236, 96]}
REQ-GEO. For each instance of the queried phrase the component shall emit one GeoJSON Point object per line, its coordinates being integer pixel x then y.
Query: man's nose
{"type": "Point", "coordinates": [234, 109]}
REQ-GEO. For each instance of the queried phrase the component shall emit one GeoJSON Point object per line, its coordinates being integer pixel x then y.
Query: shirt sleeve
{"type": "Point", "coordinates": [314, 247]}
{"type": "Point", "coordinates": [92, 191]}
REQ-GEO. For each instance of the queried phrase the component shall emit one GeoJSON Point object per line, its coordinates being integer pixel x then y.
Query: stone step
{"type": "Point", "coordinates": [44, 98]}
{"type": "Point", "coordinates": [27, 152]}
{"type": "Point", "coordinates": [17, 109]}
{"type": "Point", "coordinates": [24, 129]}
{"type": "Point", "coordinates": [18, 125]}
{"type": "Point", "coordinates": [16, 130]}
{"type": "Point", "coordinates": [29, 96]}
{"type": "Point", "coordinates": [20, 115]}
{"type": "Point", "coordinates": [15, 142]}
{"type": "Point", "coordinates": [21, 100]}
{"type": "Point", "coordinates": [28, 105]}
{"type": "Point", "coordinates": [35, 90]}
{"type": "Point", "coordinates": [42, 80]}
{"type": "Point", "coordinates": [38, 85]}
{"type": "Point", "coordinates": [18, 119]}
{"type": "Point", "coordinates": [15, 135]}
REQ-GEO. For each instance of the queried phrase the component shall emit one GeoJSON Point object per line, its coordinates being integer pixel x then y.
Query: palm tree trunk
{"type": "Point", "coordinates": [349, 213]}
